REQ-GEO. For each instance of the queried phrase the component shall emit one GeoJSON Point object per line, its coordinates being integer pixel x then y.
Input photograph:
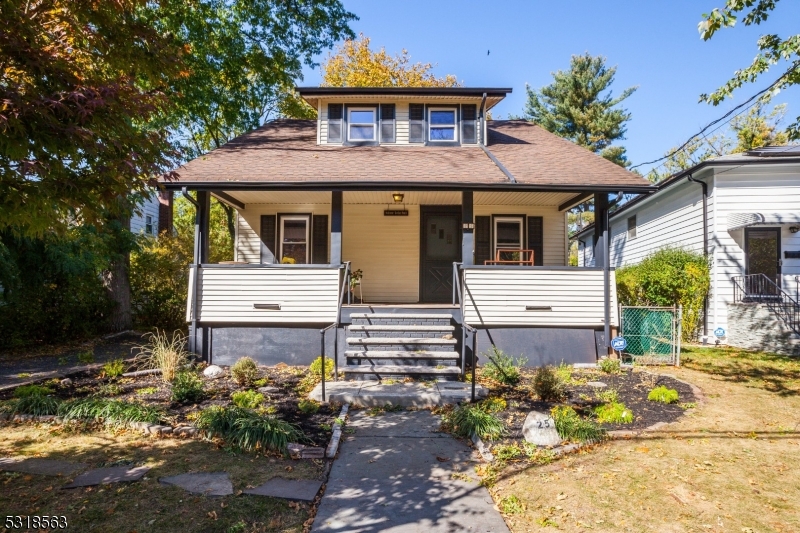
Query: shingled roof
{"type": "Point", "coordinates": [284, 154]}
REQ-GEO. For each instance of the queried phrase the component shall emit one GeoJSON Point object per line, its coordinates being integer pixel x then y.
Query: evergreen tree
{"type": "Point", "coordinates": [575, 106]}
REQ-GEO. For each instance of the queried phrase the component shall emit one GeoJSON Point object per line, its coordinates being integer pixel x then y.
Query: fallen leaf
{"type": "Point", "coordinates": [212, 515]}
{"type": "Point", "coordinates": [442, 459]}
{"type": "Point", "coordinates": [289, 468]}
{"type": "Point", "coordinates": [561, 496]}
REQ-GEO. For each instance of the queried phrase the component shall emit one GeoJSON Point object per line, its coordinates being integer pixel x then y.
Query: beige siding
{"type": "Point", "coordinates": [499, 297]}
{"type": "Point", "coordinates": [401, 127]}
{"type": "Point", "coordinates": [306, 295]}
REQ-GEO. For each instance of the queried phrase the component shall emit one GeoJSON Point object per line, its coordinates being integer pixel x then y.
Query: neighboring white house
{"type": "Point", "coordinates": [147, 217]}
{"type": "Point", "coordinates": [752, 227]}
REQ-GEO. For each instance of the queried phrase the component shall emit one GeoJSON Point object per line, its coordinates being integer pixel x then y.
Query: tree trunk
{"type": "Point", "coordinates": [229, 211]}
{"type": "Point", "coordinates": [118, 286]}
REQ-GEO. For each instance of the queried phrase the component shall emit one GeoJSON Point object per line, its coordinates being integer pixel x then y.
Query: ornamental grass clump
{"type": "Point", "coordinates": [162, 352]}
{"type": "Point", "coordinates": [315, 368]}
{"type": "Point", "coordinates": [548, 384]}
{"type": "Point", "coordinates": [23, 391]}
{"type": "Point", "coordinates": [502, 367]}
{"type": "Point", "coordinates": [248, 399]}
{"type": "Point", "coordinates": [244, 371]}
{"type": "Point", "coordinates": [468, 420]}
{"type": "Point", "coordinates": [613, 413]}
{"type": "Point", "coordinates": [187, 387]}
{"type": "Point", "coordinates": [112, 413]}
{"type": "Point", "coordinates": [663, 395]}
{"type": "Point", "coordinates": [35, 404]}
{"type": "Point", "coordinates": [247, 429]}
{"type": "Point", "coordinates": [571, 426]}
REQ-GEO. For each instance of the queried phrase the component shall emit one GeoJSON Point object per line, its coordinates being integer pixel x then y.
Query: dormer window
{"type": "Point", "coordinates": [361, 124]}
{"type": "Point", "coordinates": [442, 125]}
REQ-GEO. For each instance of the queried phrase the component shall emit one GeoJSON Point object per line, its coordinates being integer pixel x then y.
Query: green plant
{"type": "Point", "coordinates": [493, 405]}
{"type": "Point", "coordinates": [86, 357]}
{"type": "Point", "coordinates": [607, 396]}
{"type": "Point", "coordinates": [507, 452]}
{"type": "Point", "coordinates": [109, 389]}
{"type": "Point", "coordinates": [114, 369]}
{"type": "Point", "coordinates": [355, 278]}
{"type": "Point", "coordinates": [468, 420]}
{"type": "Point", "coordinates": [162, 352]}
{"type": "Point", "coordinates": [613, 413]}
{"type": "Point", "coordinates": [244, 371]}
{"type": "Point", "coordinates": [261, 382]}
{"type": "Point", "coordinates": [687, 405]}
{"type": "Point", "coordinates": [501, 367]}
{"type": "Point", "coordinates": [308, 407]}
{"type": "Point", "coordinates": [249, 399]}
{"type": "Point", "coordinates": [62, 361]}
{"type": "Point", "coordinates": [187, 388]}
{"type": "Point", "coordinates": [571, 426]}
{"type": "Point", "coordinates": [144, 391]}
{"type": "Point", "coordinates": [35, 404]}
{"type": "Point", "coordinates": [610, 366]}
{"type": "Point", "coordinates": [23, 391]}
{"type": "Point", "coordinates": [315, 368]}
{"type": "Point", "coordinates": [548, 385]}
{"type": "Point", "coordinates": [511, 505]}
{"type": "Point", "coordinates": [247, 429]}
{"type": "Point", "coordinates": [113, 413]}
{"type": "Point", "coordinates": [663, 395]}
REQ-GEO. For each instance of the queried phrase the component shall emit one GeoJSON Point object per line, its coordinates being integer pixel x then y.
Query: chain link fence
{"type": "Point", "coordinates": [653, 334]}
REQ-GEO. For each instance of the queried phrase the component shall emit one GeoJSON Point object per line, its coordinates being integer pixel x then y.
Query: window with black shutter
{"type": "Point", "coordinates": [268, 227]}
{"type": "Point", "coordinates": [335, 113]}
{"type": "Point", "coordinates": [416, 123]}
{"type": "Point", "coordinates": [483, 240]}
{"type": "Point", "coordinates": [469, 117]}
{"type": "Point", "coordinates": [387, 123]}
{"type": "Point", "coordinates": [319, 240]}
{"type": "Point", "coordinates": [536, 239]}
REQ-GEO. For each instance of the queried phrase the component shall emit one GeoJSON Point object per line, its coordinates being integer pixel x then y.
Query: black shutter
{"type": "Point", "coordinates": [319, 240]}
{"type": "Point", "coordinates": [335, 112]}
{"type": "Point", "coordinates": [268, 230]}
{"type": "Point", "coordinates": [469, 115]}
{"type": "Point", "coordinates": [536, 239]}
{"type": "Point", "coordinates": [416, 123]}
{"type": "Point", "coordinates": [483, 240]}
{"type": "Point", "coordinates": [387, 123]}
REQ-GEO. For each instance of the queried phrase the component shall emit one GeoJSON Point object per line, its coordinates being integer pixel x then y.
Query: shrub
{"type": "Point", "coordinates": [144, 391]}
{"type": "Point", "coordinates": [109, 389]}
{"type": "Point", "coordinates": [613, 413]}
{"type": "Point", "coordinates": [244, 371]}
{"type": "Point", "coordinates": [86, 357]}
{"type": "Point", "coordinates": [502, 367]}
{"type": "Point", "coordinates": [316, 368]}
{"type": "Point", "coordinates": [34, 404]}
{"type": "Point", "coordinates": [493, 405]}
{"type": "Point", "coordinates": [23, 391]}
{"type": "Point", "coordinates": [548, 385]}
{"type": "Point", "coordinates": [187, 388]}
{"type": "Point", "coordinates": [247, 429]}
{"type": "Point", "coordinates": [670, 276]}
{"type": "Point", "coordinates": [249, 399]}
{"type": "Point", "coordinates": [468, 420]}
{"type": "Point", "coordinates": [165, 353]}
{"type": "Point", "coordinates": [113, 413]}
{"type": "Point", "coordinates": [610, 366]}
{"type": "Point", "coordinates": [607, 396]}
{"type": "Point", "coordinates": [114, 369]}
{"type": "Point", "coordinates": [663, 395]}
{"type": "Point", "coordinates": [571, 426]}
{"type": "Point", "coordinates": [308, 407]}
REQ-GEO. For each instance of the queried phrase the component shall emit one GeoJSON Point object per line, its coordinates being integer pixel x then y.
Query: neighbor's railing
{"type": "Point", "coordinates": [758, 288]}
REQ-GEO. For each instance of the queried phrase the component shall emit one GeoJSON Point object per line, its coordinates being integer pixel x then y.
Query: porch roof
{"type": "Point", "coordinates": [284, 154]}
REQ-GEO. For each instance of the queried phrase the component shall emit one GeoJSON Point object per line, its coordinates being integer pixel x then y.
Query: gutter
{"type": "Point", "coordinates": [704, 185]}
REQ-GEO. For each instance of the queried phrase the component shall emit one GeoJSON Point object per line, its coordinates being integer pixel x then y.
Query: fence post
{"type": "Point", "coordinates": [680, 334]}
{"type": "Point", "coordinates": [474, 360]}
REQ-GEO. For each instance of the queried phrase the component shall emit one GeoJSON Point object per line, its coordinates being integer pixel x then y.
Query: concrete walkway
{"type": "Point", "coordinates": [396, 474]}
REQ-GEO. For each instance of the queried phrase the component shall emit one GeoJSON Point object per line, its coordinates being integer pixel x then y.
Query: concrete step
{"type": "Point", "coordinates": [400, 316]}
{"type": "Point", "coordinates": [392, 354]}
{"type": "Point", "coordinates": [402, 327]}
{"type": "Point", "coordinates": [399, 340]}
{"type": "Point", "coordinates": [391, 369]}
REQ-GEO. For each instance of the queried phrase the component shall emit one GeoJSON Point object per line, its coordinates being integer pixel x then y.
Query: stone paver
{"type": "Point", "coordinates": [36, 465]}
{"type": "Point", "coordinates": [373, 393]}
{"type": "Point", "coordinates": [395, 473]}
{"type": "Point", "coordinates": [207, 483]}
{"type": "Point", "coordinates": [288, 489]}
{"type": "Point", "coordinates": [113, 474]}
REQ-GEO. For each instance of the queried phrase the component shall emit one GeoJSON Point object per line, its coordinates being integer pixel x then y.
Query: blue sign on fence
{"type": "Point", "coordinates": [619, 343]}
{"type": "Point", "coordinates": [719, 332]}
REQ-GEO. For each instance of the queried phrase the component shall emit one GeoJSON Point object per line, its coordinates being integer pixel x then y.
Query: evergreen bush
{"type": "Point", "coordinates": [244, 371]}
{"type": "Point", "coordinates": [502, 367]}
{"type": "Point", "coordinates": [187, 387]}
{"type": "Point", "coordinates": [548, 384]}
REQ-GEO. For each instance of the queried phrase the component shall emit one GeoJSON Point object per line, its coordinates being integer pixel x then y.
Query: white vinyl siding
{"type": "Point", "coordinates": [149, 208]}
{"type": "Point", "coordinates": [500, 296]}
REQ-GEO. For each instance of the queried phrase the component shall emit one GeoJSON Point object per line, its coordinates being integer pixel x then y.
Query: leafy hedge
{"type": "Point", "coordinates": [667, 277]}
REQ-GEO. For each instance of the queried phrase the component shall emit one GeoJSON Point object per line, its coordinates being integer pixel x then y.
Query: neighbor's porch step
{"type": "Point", "coordinates": [399, 316]}
{"type": "Point", "coordinates": [391, 369]}
{"type": "Point", "coordinates": [399, 340]}
{"type": "Point", "coordinates": [401, 327]}
{"type": "Point", "coordinates": [391, 354]}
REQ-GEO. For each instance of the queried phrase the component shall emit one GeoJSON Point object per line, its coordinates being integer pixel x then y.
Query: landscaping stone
{"type": "Point", "coordinates": [36, 465]}
{"type": "Point", "coordinates": [376, 394]}
{"type": "Point", "coordinates": [288, 489]}
{"type": "Point", "coordinates": [103, 476]}
{"type": "Point", "coordinates": [268, 390]}
{"type": "Point", "coordinates": [596, 384]}
{"type": "Point", "coordinates": [206, 483]}
{"type": "Point", "coordinates": [540, 429]}
{"type": "Point", "coordinates": [213, 372]}
{"type": "Point", "coordinates": [66, 382]}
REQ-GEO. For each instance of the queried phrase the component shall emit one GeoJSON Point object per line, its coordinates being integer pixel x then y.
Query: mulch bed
{"type": "Point", "coordinates": [218, 392]}
{"type": "Point", "coordinates": [632, 388]}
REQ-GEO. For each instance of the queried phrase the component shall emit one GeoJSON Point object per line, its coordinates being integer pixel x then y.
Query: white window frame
{"type": "Point", "coordinates": [148, 222]}
{"type": "Point", "coordinates": [518, 220]}
{"type": "Point", "coordinates": [307, 220]}
{"type": "Point", "coordinates": [632, 230]}
{"type": "Point", "coordinates": [372, 124]}
{"type": "Point", "coordinates": [454, 126]}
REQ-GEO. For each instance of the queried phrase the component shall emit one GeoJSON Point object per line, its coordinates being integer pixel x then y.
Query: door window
{"type": "Point", "coordinates": [763, 252]}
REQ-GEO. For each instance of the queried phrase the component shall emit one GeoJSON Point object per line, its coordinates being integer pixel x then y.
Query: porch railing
{"type": "Point", "coordinates": [335, 326]}
{"type": "Point", "coordinates": [758, 288]}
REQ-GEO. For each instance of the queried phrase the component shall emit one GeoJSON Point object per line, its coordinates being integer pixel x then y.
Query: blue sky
{"type": "Point", "coordinates": [654, 44]}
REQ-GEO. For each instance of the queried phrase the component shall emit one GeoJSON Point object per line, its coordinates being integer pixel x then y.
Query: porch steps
{"type": "Point", "coordinates": [399, 345]}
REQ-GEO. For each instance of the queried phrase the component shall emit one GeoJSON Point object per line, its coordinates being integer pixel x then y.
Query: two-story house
{"type": "Point", "coordinates": [453, 221]}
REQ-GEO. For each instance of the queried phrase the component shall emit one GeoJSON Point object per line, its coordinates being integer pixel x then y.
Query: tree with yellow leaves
{"type": "Point", "coordinates": [354, 64]}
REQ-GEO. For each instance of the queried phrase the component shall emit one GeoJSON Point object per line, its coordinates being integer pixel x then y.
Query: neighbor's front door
{"type": "Point", "coordinates": [440, 247]}
{"type": "Point", "coordinates": [763, 250]}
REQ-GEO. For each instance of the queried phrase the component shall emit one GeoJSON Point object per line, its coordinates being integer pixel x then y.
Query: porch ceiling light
{"type": "Point", "coordinates": [398, 197]}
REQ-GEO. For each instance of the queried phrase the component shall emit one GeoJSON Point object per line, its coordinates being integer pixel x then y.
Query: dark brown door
{"type": "Point", "coordinates": [763, 251]}
{"type": "Point", "coordinates": [440, 247]}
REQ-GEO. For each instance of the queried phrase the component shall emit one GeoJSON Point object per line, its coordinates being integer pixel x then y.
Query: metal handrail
{"type": "Point", "coordinates": [474, 356]}
{"type": "Point", "coordinates": [335, 325]}
{"type": "Point", "coordinates": [758, 288]}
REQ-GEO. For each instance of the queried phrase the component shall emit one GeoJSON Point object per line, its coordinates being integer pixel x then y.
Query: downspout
{"type": "Point", "coordinates": [704, 185]}
{"type": "Point", "coordinates": [195, 269]}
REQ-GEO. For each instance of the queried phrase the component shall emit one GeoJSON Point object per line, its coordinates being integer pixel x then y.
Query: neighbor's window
{"type": "Point", "coordinates": [508, 235]}
{"type": "Point", "coordinates": [148, 225]}
{"type": "Point", "coordinates": [294, 239]}
{"type": "Point", "coordinates": [361, 124]}
{"type": "Point", "coordinates": [442, 125]}
{"type": "Point", "coordinates": [632, 227]}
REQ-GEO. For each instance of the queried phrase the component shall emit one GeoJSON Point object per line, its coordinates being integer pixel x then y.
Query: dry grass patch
{"type": "Point", "coordinates": [728, 466]}
{"type": "Point", "coordinates": [147, 505]}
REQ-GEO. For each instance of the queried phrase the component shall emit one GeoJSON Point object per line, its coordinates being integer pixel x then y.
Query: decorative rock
{"type": "Point", "coordinates": [166, 430]}
{"type": "Point", "coordinates": [596, 384]}
{"type": "Point", "coordinates": [36, 465]}
{"type": "Point", "coordinates": [288, 489]}
{"type": "Point", "coordinates": [540, 429]}
{"type": "Point", "coordinates": [312, 452]}
{"type": "Point", "coordinates": [206, 483]}
{"type": "Point", "coordinates": [112, 474]}
{"type": "Point", "coordinates": [295, 450]}
{"type": "Point", "coordinates": [66, 382]}
{"type": "Point", "coordinates": [268, 390]}
{"type": "Point", "coordinates": [213, 372]}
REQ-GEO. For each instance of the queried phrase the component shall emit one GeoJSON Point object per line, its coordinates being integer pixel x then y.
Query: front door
{"type": "Point", "coordinates": [763, 251]}
{"type": "Point", "coordinates": [440, 247]}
